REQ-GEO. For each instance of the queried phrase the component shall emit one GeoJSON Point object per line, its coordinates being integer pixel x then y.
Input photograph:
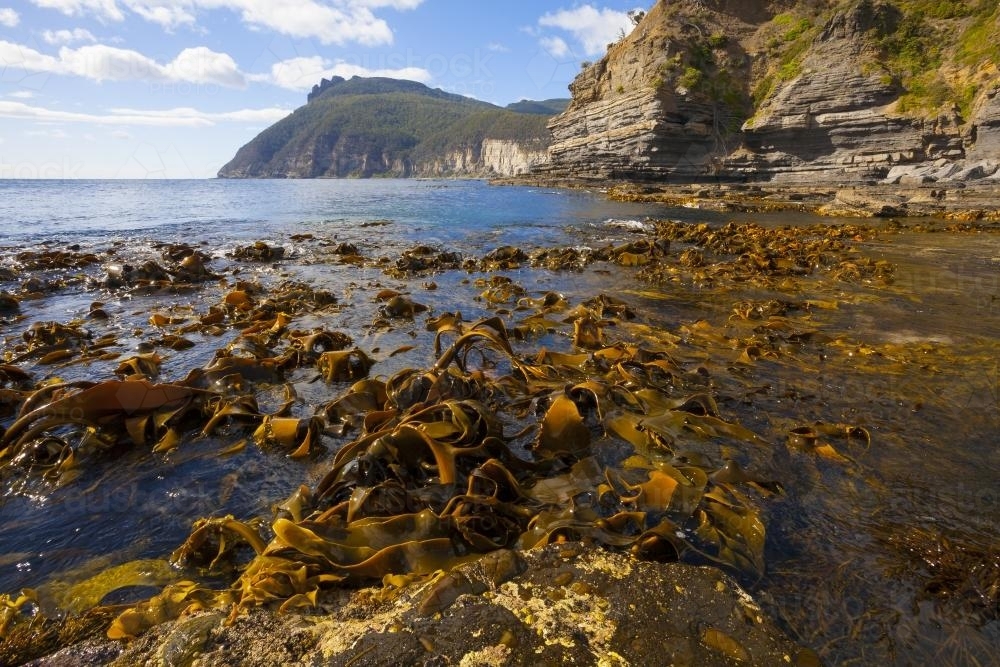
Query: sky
{"type": "Point", "coordinates": [172, 88]}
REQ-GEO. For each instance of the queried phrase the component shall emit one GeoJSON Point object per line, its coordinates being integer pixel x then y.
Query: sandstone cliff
{"type": "Point", "coordinates": [837, 90]}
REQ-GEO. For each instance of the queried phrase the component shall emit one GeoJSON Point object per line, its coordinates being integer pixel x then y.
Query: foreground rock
{"type": "Point", "coordinates": [571, 605]}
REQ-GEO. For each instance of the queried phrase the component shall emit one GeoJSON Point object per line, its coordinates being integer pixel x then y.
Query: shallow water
{"type": "Point", "coordinates": [915, 362]}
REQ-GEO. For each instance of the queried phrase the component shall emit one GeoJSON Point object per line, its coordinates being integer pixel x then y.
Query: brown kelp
{"type": "Point", "coordinates": [448, 465]}
{"type": "Point", "coordinates": [546, 417]}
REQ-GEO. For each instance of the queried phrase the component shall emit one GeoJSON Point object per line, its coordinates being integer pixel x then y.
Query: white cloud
{"type": "Point", "coordinates": [202, 65]}
{"type": "Point", "coordinates": [102, 9]}
{"type": "Point", "coordinates": [22, 94]}
{"type": "Point", "coordinates": [60, 37]}
{"type": "Point", "coordinates": [195, 117]}
{"type": "Point", "coordinates": [497, 47]}
{"type": "Point", "coordinates": [303, 73]}
{"type": "Point", "coordinates": [100, 62]}
{"type": "Point", "coordinates": [593, 28]}
{"type": "Point", "coordinates": [555, 47]}
{"type": "Point", "coordinates": [179, 117]}
{"type": "Point", "coordinates": [330, 21]}
{"type": "Point", "coordinates": [121, 135]}
{"type": "Point", "coordinates": [8, 17]}
{"type": "Point", "coordinates": [48, 134]}
{"type": "Point", "coordinates": [24, 57]}
{"type": "Point", "coordinates": [394, 4]}
{"type": "Point", "coordinates": [106, 63]}
{"type": "Point", "coordinates": [345, 22]}
{"type": "Point", "coordinates": [167, 14]}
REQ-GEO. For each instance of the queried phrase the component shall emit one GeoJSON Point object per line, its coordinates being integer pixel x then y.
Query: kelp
{"type": "Point", "coordinates": [438, 474]}
{"type": "Point", "coordinates": [185, 266]}
{"type": "Point", "coordinates": [214, 540]}
{"type": "Point", "coordinates": [747, 253]}
{"type": "Point", "coordinates": [259, 251]}
{"type": "Point", "coordinates": [77, 597]}
{"type": "Point", "coordinates": [550, 421]}
{"type": "Point", "coordinates": [423, 260]}
{"type": "Point", "coordinates": [60, 424]}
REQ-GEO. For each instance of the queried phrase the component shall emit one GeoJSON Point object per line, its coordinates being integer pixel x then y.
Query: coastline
{"type": "Point", "coordinates": [955, 202]}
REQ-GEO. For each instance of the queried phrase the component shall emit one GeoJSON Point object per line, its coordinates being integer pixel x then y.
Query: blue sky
{"type": "Point", "coordinates": [172, 88]}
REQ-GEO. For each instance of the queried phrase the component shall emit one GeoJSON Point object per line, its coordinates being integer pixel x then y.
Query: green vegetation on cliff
{"type": "Point", "coordinates": [542, 107]}
{"type": "Point", "coordinates": [936, 52]}
{"type": "Point", "coordinates": [375, 126]}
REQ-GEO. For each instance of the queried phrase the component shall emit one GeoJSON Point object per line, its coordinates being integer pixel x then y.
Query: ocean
{"type": "Point", "coordinates": [462, 213]}
{"type": "Point", "coordinates": [886, 344]}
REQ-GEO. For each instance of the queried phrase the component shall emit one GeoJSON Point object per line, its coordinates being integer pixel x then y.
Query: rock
{"type": "Point", "coordinates": [976, 170]}
{"type": "Point", "coordinates": [571, 605]}
{"type": "Point", "coordinates": [862, 204]}
{"type": "Point", "coordinates": [916, 179]}
{"type": "Point", "coordinates": [626, 120]}
{"type": "Point", "coordinates": [945, 172]}
{"type": "Point", "coordinates": [985, 133]}
{"type": "Point", "coordinates": [829, 114]}
{"type": "Point", "coordinates": [9, 303]}
{"type": "Point", "coordinates": [898, 172]}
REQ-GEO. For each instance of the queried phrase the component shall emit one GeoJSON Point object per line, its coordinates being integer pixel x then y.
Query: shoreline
{"type": "Point", "coordinates": [959, 202]}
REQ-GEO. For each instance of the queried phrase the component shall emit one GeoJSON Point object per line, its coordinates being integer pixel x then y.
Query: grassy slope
{"type": "Point", "coordinates": [408, 122]}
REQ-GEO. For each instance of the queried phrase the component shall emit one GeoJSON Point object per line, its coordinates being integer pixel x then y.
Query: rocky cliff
{"type": "Point", "coordinates": [837, 90]}
{"type": "Point", "coordinates": [490, 157]}
{"type": "Point", "coordinates": [361, 128]}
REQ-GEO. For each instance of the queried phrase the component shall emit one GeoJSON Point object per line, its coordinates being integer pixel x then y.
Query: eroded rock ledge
{"type": "Point", "coordinates": [570, 605]}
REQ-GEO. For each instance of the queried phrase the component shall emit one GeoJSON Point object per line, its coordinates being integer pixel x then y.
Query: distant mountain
{"type": "Point", "coordinates": [544, 107]}
{"type": "Point", "coordinates": [367, 127]}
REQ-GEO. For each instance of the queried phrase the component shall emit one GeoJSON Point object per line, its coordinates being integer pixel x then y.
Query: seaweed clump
{"type": "Point", "coordinates": [485, 450]}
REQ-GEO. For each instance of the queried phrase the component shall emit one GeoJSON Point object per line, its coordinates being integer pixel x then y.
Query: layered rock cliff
{"type": "Point", "coordinates": [361, 128]}
{"type": "Point", "coordinates": [841, 90]}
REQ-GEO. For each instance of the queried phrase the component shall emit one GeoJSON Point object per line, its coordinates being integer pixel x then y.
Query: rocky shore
{"type": "Point", "coordinates": [951, 201]}
{"type": "Point", "coordinates": [568, 605]}
{"type": "Point", "coordinates": [693, 422]}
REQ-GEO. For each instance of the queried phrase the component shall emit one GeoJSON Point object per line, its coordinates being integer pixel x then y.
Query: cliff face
{"type": "Point", "coordinates": [627, 120]}
{"type": "Point", "coordinates": [363, 128]}
{"type": "Point", "coordinates": [839, 117]}
{"type": "Point", "coordinates": [807, 91]}
{"type": "Point", "coordinates": [492, 157]}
